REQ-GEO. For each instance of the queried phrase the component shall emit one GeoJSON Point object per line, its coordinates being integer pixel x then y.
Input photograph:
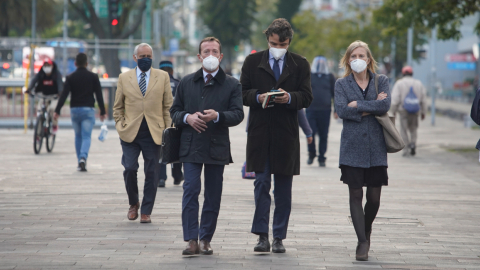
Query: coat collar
{"type": "Point", "coordinates": [354, 85]}
{"type": "Point", "coordinates": [220, 77]}
{"type": "Point", "coordinates": [288, 68]}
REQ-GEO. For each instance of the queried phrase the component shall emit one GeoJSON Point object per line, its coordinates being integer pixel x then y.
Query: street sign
{"type": "Point", "coordinates": [461, 66]}
{"type": "Point", "coordinates": [460, 58]}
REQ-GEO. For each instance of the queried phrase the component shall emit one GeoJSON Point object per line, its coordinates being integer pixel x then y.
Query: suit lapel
{"type": "Point", "coordinates": [265, 65]}
{"type": "Point", "coordinates": [151, 81]}
{"type": "Point", "coordinates": [134, 82]}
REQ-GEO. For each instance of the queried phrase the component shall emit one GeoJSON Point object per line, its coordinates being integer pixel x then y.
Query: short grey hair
{"type": "Point", "coordinates": [135, 51]}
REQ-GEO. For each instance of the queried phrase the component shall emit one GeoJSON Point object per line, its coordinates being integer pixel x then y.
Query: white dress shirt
{"type": "Point", "coordinates": [139, 76]}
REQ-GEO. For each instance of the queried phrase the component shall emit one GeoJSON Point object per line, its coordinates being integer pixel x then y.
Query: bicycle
{"type": "Point", "coordinates": [43, 125]}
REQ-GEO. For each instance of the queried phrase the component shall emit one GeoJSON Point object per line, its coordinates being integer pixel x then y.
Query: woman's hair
{"type": "Point", "coordinates": [344, 62]}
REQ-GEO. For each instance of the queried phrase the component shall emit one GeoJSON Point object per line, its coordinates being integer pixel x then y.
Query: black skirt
{"type": "Point", "coordinates": [356, 177]}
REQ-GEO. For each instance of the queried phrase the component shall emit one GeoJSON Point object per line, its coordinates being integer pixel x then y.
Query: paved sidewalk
{"type": "Point", "coordinates": [52, 217]}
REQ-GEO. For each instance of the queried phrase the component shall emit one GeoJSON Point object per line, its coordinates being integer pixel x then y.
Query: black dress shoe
{"type": "Point", "coordinates": [161, 183]}
{"type": "Point", "coordinates": [177, 181]}
{"type": "Point", "coordinates": [263, 245]}
{"type": "Point", "coordinates": [362, 251]}
{"type": "Point", "coordinates": [310, 160]}
{"type": "Point", "coordinates": [277, 246]}
{"type": "Point", "coordinates": [412, 151]}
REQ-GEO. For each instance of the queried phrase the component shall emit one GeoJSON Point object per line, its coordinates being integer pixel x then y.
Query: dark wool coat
{"type": "Point", "coordinates": [362, 143]}
{"type": "Point", "coordinates": [273, 132]}
{"type": "Point", "coordinates": [222, 94]}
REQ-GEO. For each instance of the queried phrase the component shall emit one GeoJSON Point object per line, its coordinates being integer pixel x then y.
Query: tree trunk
{"type": "Point", "coordinates": [111, 61]}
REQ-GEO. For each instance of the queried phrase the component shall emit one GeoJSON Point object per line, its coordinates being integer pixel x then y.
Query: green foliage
{"type": "Point", "coordinates": [266, 10]}
{"type": "Point", "coordinates": [229, 21]}
{"type": "Point", "coordinates": [398, 15]}
{"type": "Point", "coordinates": [287, 8]}
{"type": "Point", "coordinates": [16, 16]}
{"type": "Point", "coordinates": [331, 36]}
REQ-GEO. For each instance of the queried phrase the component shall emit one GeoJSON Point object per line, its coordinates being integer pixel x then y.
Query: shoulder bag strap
{"type": "Point", "coordinates": [376, 83]}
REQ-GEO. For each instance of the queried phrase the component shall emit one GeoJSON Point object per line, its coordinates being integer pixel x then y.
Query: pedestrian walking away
{"type": "Point", "coordinates": [206, 104]}
{"type": "Point", "coordinates": [409, 99]}
{"type": "Point", "coordinates": [273, 145]}
{"type": "Point", "coordinates": [82, 85]}
{"type": "Point", "coordinates": [177, 174]}
{"type": "Point", "coordinates": [319, 112]}
{"type": "Point", "coordinates": [363, 153]}
{"type": "Point", "coordinates": [47, 82]}
{"type": "Point", "coordinates": [142, 111]}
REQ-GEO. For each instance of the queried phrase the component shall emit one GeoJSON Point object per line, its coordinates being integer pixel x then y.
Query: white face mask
{"type": "Point", "coordinates": [277, 53]}
{"type": "Point", "coordinates": [358, 65]}
{"type": "Point", "coordinates": [47, 70]}
{"type": "Point", "coordinates": [210, 63]}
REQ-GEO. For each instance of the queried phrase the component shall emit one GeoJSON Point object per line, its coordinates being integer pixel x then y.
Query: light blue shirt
{"type": "Point", "coordinates": [139, 76]}
{"type": "Point", "coordinates": [205, 80]}
{"type": "Point", "coordinates": [271, 61]}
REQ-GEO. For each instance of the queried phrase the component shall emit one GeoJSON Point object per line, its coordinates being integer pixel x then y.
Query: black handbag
{"type": "Point", "coordinates": [170, 148]}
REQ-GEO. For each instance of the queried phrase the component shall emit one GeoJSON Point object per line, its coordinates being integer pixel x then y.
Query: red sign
{"type": "Point", "coordinates": [460, 58]}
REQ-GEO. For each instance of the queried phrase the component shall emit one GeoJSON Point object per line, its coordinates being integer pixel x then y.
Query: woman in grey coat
{"type": "Point", "coordinates": [363, 154]}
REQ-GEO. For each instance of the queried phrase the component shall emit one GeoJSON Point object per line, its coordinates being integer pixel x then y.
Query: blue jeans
{"type": "Point", "coordinates": [319, 122]}
{"type": "Point", "coordinates": [83, 119]}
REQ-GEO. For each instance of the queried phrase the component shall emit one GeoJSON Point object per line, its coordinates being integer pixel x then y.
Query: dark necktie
{"type": "Point", "coordinates": [209, 78]}
{"type": "Point", "coordinates": [276, 69]}
{"type": "Point", "coordinates": [143, 84]}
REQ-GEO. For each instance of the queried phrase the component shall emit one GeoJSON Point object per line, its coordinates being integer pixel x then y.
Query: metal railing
{"type": "Point", "coordinates": [12, 98]}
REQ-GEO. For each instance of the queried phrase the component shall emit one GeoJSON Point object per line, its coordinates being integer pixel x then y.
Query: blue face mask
{"type": "Point", "coordinates": [144, 64]}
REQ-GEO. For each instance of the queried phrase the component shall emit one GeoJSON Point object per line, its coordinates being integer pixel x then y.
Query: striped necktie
{"type": "Point", "coordinates": [143, 83]}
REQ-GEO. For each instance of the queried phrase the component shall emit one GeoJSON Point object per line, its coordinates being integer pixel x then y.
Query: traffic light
{"type": "Point", "coordinates": [113, 11]}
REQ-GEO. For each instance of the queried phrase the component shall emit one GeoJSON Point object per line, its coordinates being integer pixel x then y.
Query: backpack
{"type": "Point", "coordinates": [411, 103]}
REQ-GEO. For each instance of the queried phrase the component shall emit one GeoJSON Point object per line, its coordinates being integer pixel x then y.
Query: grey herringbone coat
{"type": "Point", "coordinates": [362, 143]}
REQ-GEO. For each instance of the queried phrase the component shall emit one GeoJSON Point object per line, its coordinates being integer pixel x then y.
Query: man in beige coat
{"type": "Point", "coordinates": [409, 120]}
{"type": "Point", "coordinates": [141, 111]}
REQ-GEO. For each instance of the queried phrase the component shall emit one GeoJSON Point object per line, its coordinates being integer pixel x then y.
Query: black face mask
{"type": "Point", "coordinates": [144, 64]}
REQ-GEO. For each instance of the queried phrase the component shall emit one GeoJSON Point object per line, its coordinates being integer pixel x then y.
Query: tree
{"type": "Point", "coordinates": [104, 30]}
{"type": "Point", "coordinates": [229, 21]}
{"type": "Point", "coordinates": [331, 36]}
{"type": "Point", "coordinates": [447, 15]}
{"type": "Point", "coordinates": [16, 16]}
{"type": "Point", "coordinates": [287, 8]}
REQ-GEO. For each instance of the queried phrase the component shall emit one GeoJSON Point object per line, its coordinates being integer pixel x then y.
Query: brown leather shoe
{"type": "Point", "coordinates": [192, 248]}
{"type": "Point", "coordinates": [133, 211]}
{"type": "Point", "coordinates": [205, 248]}
{"type": "Point", "coordinates": [145, 219]}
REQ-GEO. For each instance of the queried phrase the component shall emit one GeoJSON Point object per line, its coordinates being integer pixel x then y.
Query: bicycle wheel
{"type": "Point", "coordinates": [38, 135]}
{"type": "Point", "coordinates": [50, 138]}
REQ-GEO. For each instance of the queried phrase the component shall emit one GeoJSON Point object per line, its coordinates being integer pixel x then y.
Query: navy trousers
{"type": "Point", "coordinates": [151, 154]}
{"type": "Point", "coordinates": [283, 202]}
{"type": "Point", "coordinates": [176, 171]}
{"type": "Point", "coordinates": [319, 122]}
{"type": "Point", "coordinates": [213, 182]}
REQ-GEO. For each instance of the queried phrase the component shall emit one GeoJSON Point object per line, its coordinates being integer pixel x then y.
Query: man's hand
{"type": "Point", "coordinates": [335, 115]}
{"type": "Point", "coordinates": [310, 140]}
{"type": "Point", "coordinates": [25, 91]}
{"type": "Point", "coordinates": [352, 104]}
{"type": "Point", "coordinates": [196, 123]}
{"type": "Point", "coordinates": [208, 115]}
{"type": "Point", "coordinates": [282, 99]}
{"type": "Point", "coordinates": [382, 96]}
{"type": "Point", "coordinates": [423, 116]}
{"type": "Point", "coordinates": [56, 116]}
{"type": "Point", "coordinates": [102, 117]}
{"type": "Point", "coordinates": [261, 98]}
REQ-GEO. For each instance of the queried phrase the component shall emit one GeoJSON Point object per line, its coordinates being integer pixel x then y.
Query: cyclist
{"type": "Point", "coordinates": [48, 81]}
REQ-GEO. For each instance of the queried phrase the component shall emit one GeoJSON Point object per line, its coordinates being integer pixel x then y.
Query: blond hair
{"type": "Point", "coordinates": [344, 62]}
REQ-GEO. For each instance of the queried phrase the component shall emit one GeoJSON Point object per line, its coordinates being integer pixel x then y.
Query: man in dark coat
{"type": "Point", "coordinates": [206, 104]}
{"type": "Point", "coordinates": [176, 167]}
{"type": "Point", "coordinates": [273, 145]}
